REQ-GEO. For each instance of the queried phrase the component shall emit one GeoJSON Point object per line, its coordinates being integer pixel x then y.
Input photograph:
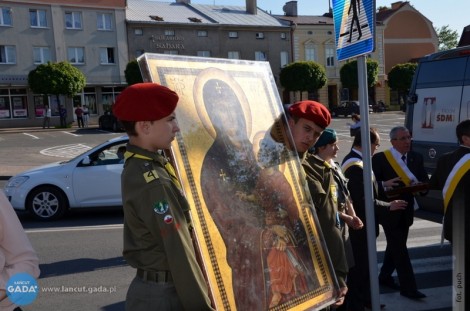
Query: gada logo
{"type": "Point", "coordinates": [22, 289]}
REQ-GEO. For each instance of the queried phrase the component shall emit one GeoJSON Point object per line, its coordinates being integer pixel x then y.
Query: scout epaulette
{"type": "Point", "coordinates": [152, 174]}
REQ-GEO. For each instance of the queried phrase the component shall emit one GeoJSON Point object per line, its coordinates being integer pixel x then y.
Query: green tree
{"type": "Point", "coordinates": [400, 78]}
{"type": "Point", "coordinates": [448, 38]}
{"type": "Point", "coordinates": [303, 76]}
{"type": "Point", "coordinates": [132, 73]}
{"type": "Point", "coordinates": [56, 79]}
{"type": "Point", "coordinates": [348, 74]}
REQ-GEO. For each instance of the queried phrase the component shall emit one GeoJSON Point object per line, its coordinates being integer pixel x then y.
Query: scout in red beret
{"type": "Point", "coordinates": [156, 212]}
{"type": "Point", "coordinates": [145, 102]}
{"type": "Point", "coordinates": [307, 120]}
{"type": "Point", "coordinates": [311, 110]}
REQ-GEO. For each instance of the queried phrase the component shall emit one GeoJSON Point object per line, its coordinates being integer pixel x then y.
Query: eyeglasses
{"type": "Point", "coordinates": [402, 138]}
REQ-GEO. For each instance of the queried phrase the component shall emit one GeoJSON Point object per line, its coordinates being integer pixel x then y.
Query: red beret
{"type": "Point", "coordinates": [313, 111]}
{"type": "Point", "coordinates": [145, 102]}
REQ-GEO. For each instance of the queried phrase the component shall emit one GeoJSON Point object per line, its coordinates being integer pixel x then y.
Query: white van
{"type": "Point", "coordinates": [439, 99]}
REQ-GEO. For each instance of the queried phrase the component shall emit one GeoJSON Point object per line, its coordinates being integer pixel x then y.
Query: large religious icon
{"type": "Point", "coordinates": [256, 234]}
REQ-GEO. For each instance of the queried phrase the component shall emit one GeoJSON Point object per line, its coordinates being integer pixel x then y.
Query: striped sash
{"type": "Point", "coordinates": [406, 176]}
{"type": "Point", "coordinates": [458, 171]}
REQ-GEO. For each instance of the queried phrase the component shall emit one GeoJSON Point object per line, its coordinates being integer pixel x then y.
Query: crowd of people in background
{"type": "Point", "coordinates": [395, 168]}
{"type": "Point", "coordinates": [82, 116]}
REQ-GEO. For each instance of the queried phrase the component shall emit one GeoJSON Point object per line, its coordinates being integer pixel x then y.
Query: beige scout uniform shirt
{"type": "Point", "coordinates": [156, 231]}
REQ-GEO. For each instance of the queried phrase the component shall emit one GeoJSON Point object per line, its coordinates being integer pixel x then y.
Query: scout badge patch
{"type": "Point", "coordinates": [160, 207]}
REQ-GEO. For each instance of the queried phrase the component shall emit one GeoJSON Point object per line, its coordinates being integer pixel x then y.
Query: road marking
{"type": "Point", "coordinates": [69, 229]}
{"type": "Point", "coordinates": [30, 135]}
{"type": "Point", "coordinates": [65, 151]}
{"type": "Point", "coordinates": [71, 133]}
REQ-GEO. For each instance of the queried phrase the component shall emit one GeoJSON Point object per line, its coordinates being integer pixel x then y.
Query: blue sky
{"type": "Point", "coordinates": [441, 12]}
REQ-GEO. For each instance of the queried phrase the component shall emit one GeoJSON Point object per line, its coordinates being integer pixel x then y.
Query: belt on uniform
{"type": "Point", "coordinates": [155, 276]}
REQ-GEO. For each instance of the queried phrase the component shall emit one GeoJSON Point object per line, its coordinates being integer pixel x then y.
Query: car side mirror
{"type": "Point", "coordinates": [412, 99]}
{"type": "Point", "coordinates": [86, 160]}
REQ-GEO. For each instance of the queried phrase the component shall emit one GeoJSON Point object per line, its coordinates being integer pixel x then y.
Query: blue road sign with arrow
{"type": "Point", "coordinates": [354, 22]}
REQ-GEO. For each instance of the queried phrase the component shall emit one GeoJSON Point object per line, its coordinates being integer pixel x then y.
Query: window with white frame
{"type": "Point", "coordinates": [37, 18]}
{"type": "Point", "coordinates": [73, 20]}
{"type": "Point", "coordinates": [104, 21]}
{"type": "Point", "coordinates": [202, 33]}
{"type": "Point", "coordinates": [41, 54]}
{"type": "Point", "coordinates": [283, 36]}
{"type": "Point", "coordinates": [5, 16]}
{"type": "Point", "coordinates": [233, 34]}
{"type": "Point", "coordinates": [260, 55]}
{"type": "Point", "coordinates": [260, 35]}
{"type": "Point", "coordinates": [107, 56]}
{"type": "Point", "coordinates": [138, 31]}
{"type": "Point", "coordinates": [233, 55]}
{"type": "Point", "coordinates": [169, 32]}
{"type": "Point", "coordinates": [204, 53]}
{"type": "Point", "coordinates": [76, 55]}
{"type": "Point", "coordinates": [284, 58]}
{"type": "Point", "coordinates": [7, 54]}
{"type": "Point", "coordinates": [309, 52]}
{"type": "Point", "coordinates": [171, 52]}
{"type": "Point", "coordinates": [330, 56]}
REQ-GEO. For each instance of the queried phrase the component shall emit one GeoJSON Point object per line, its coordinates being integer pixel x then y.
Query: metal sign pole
{"type": "Point", "coordinates": [367, 175]}
{"type": "Point", "coordinates": [354, 22]}
{"type": "Point", "coordinates": [458, 249]}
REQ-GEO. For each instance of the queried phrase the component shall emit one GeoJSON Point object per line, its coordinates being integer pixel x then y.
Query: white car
{"type": "Point", "coordinates": [92, 179]}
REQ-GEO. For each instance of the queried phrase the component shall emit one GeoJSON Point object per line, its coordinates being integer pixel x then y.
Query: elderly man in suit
{"type": "Point", "coordinates": [359, 297]}
{"type": "Point", "coordinates": [399, 161]}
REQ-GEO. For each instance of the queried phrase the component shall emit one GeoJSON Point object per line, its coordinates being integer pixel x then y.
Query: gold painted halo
{"type": "Point", "coordinates": [217, 74]}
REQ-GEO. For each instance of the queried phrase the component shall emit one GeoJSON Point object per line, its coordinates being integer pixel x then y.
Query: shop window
{"type": "Point", "coordinates": [4, 105]}
{"type": "Point", "coordinates": [13, 103]}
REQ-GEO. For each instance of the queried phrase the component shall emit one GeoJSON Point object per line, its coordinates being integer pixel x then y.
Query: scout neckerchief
{"type": "Point", "coordinates": [459, 170]}
{"type": "Point", "coordinates": [168, 167]}
{"type": "Point", "coordinates": [399, 166]}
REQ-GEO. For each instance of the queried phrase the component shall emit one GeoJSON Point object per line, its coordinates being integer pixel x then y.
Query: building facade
{"type": "Point", "coordinates": [90, 36]}
{"type": "Point", "coordinates": [407, 36]}
{"type": "Point", "coordinates": [313, 39]}
{"type": "Point", "coordinates": [217, 31]}
{"type": "Point", "coordinates": [100, 37]}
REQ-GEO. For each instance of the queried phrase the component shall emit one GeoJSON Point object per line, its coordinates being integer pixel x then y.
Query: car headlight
{"type": "Point", "coordinates": [15, 182]}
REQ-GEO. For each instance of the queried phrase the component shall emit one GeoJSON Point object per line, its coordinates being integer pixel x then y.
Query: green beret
{"type": "Point", "coordinates": [327, 137]}
{"type": "Point", "coordinates": [145, 102]}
